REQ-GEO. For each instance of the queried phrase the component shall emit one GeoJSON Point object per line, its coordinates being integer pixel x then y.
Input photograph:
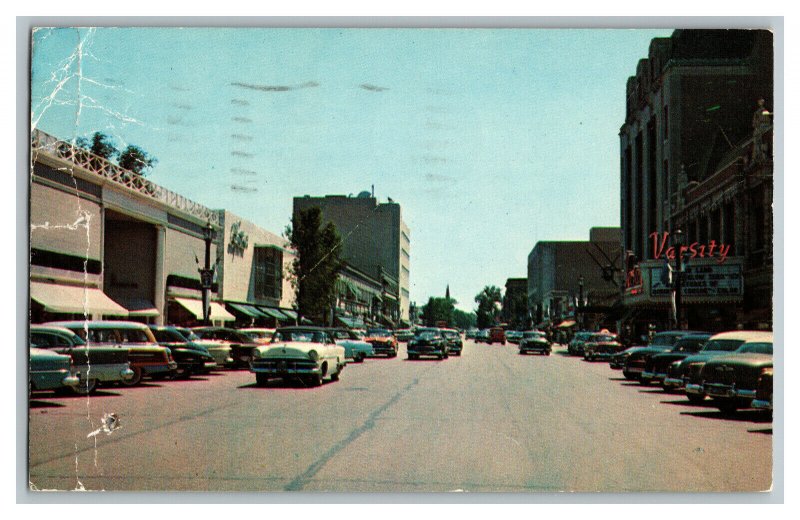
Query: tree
{"type": "Point", "coordinates": [101, 145]}
{"type": "Point", "coordinates": [438, 309]}
{"type": "Point", "coordinates": [316, 265]}
{"type": "Point", "coordinates": [488, 301]}
{"type": "Point", "coordinates": [464, 320]}
{"type": "Point", "coordinates": [136, 160]}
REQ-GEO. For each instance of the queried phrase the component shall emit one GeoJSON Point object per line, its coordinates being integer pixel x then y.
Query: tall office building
{"type": "Point", "coordinates": [375, 240]}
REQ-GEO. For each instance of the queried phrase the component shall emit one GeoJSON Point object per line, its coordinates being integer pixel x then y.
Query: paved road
{"type": "Point", "coordinates": [491, 420]}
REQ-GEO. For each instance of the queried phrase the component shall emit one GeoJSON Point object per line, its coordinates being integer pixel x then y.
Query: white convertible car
{"type": "Point", "coordinates": [308, 354]}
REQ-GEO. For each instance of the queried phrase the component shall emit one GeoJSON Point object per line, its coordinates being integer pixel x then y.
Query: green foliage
{"type": "Point", "coordinates": [101, 145]}
{"type": "Point", "coordinates": [464, 320]}
{"type": "Point", "coordinates": [136, 160]}
{"type": "Point", "coordinates": [316, 264]}
{"type": "Point", "coordinates": [437, 309]}
{"type": "Point", "coordinates": [488, 301]}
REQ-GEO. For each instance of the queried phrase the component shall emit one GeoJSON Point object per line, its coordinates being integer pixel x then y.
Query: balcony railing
{"type": "Point", "coordinates": [42, 142]}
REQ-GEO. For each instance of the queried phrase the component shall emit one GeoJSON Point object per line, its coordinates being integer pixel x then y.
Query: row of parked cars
{"type": "Point", "coordinates": [732, 368]}
{"type": "Point", "coordinates": [80, 355]}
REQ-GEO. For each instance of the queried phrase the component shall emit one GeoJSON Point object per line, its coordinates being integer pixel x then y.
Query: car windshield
{"type": "Point", "coordinates": [689, 345]}
{"type": "Point", "coordinates": [169, 336]}
{"type": "Point", "coordinates": [301, 336]}
{"type": "Point", "coordinates": [257, 334]}
{"type": "Point", "coordinates": [451, 334]}
{"type": "Point", "coordinates": [755, 348]}
{"type": "Point", "coordinates": [723, 345]}
{"type": "Point", "coordinates": [660, 340]}
{"type": "Point", "coordinates": [428, 333]}
{"type": "Point", "coordinates": [345, 334]}
{"type": "Point", "coordinates": [532, 335]}
{"type": "Point", "coordinates": [604, 338]}
{"type": "Point", "coordinates": [378, 333]}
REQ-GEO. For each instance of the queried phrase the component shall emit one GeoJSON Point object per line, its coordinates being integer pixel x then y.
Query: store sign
{"type": "Point", "coordinates": [700, 279]}
{"type": "Point", "coordinates": [694, 250]}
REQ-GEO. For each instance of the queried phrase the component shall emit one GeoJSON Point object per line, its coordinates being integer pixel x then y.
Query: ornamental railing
{"type": "Point", "coordinates": [42, 142]}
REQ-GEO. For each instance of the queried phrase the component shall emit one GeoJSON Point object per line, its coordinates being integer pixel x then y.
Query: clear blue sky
{"type": "Point", "coordinates": [490, 140]}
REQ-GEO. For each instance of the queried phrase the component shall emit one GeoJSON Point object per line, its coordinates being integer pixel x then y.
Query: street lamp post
{"type": "Point", "coordinates": [580, 302]}
{"type": "Point", "coordinates": [207, 274]}
{"type": "Point", "coordinates": [678, 235]}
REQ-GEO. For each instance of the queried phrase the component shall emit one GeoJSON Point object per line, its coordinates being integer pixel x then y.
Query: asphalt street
{"type": "Point", "coordinates": [490, 420]}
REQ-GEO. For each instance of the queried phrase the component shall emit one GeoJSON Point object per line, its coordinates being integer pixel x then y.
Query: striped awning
{"type": "Point", "coordinates": [247, 310]}
{"type": "Point", "coordinates": [274, 313]}
{"type": "Point", "coordinates": [290, 313]}
{"type": "Point", "coordinates": [217, 311]}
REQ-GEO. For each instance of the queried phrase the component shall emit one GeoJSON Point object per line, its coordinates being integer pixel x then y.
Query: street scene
{"type": "Point", "coordinates": [224, 295]}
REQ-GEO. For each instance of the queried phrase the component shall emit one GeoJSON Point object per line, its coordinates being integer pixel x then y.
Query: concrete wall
{"type": "Point", "coordinates": [64, 223]}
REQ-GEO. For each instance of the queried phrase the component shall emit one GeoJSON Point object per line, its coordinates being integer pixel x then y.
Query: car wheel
{"type": "Point", "coordinates": [335, 375]}
{"type": "Point", "coordinates": [315, 380]}
{"type": "Point", "coordinates": [360, 358]}
{"type": "Point", "coordinates": [412, 356]}
{"type": "Point", "coordinates": [628, 375]}
{"type": "Point", "coordinates": [696, 398]}
{"type": "Point", "coordinates": [727, 407]}
{"type": "Point", "coordinates": [183, 373]}
{"type": "Point", "coordinates": [85, 387]}
{"type": "Point", "coordinates": [261, 379]}
{"type": "Point", "coordinates": [644, 382]}
{"type": "Point", "coordinates": [503, 343]}
{"type": "Point", "coordinates": [136, 379]}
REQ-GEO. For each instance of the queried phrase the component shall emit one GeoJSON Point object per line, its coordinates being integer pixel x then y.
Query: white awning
{"type": "Point", "coordinates": [75, 300]}
{"type": "Point", "coordinates": [218, 312]}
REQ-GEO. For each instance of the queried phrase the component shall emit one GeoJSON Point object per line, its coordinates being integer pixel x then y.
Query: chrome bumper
{"type": "Point", "coordinates": [692, 388]}
{"type": "Point", "coordinates": [71, 380]}
{"type": "Point", "coordinates": [761, 404]}
{"type": "Point", "coordinates": [672, 382]}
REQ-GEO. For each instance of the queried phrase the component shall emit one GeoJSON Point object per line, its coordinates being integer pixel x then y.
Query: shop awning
{"type": "Point", "coordinates": [75, 300]}
{"type": "Point", "coordinates": [348, 322]}
{"type": "Point", "coordinates": [139, 307]}
{"type": "Point", "coordinates": [274, 313]}
{"type": "Point", "coordinates": [247, 310]}
{"type": "Point", "coordinates": [566, 324]}
{"type": "Point", "coordinates": [390, 296]}
{"type": "Point", "coordinates": [218, 312]}
{"type": "Point", "coordinates": [290, 313]}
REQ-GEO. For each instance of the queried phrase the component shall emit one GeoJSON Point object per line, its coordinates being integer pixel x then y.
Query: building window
{"type": "Point", "coordinates": [268, 264]}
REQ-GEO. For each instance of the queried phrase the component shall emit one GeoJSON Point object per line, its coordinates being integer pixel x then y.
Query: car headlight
{"type": "Point", "coordinates": [313, 355]}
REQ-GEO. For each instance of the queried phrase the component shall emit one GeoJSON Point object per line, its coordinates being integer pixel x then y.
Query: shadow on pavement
{"type": "Point", "coordinates": [618, 379]}
{"type": "Point", "coordinates": [763, 431]}
{"type": "Point", "coordinates": [97, 393]}
{"type": "Point", "coordinates": [423, 359]}
{"type": "Point", "coordinates": [275, 384]}
{"type": "Point", "coordinates": [686, 402]}
{"type": "Point", "coordinates": [36, 403]}
{"type": "Point", "coordinates": [755, 416]}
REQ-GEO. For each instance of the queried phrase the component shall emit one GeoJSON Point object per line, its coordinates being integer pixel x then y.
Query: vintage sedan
{"type": "Point", "coordinates": [535, 341]}
{"type": "Point", "coordinates": [657, 366]}
{"type": "Point", "coordinates": [482, 336]}
{"type": "Point", "coordinates": [575, 346]}
{"type": "Point", "coordinates": [306, 354]}
{"type": "Point", "coordinates": [107, 363]}
{"type": "Point", "coordinates": [454, 343]}
{"type": "Point", "coordinates": [404, 335]}
{"type": "Point", "coordinates": [219, 350]}
{"type": "Point", "coordinates": [497, 335]}
{"type": "Point", "coordinates": [355, 348]}
{"type": "Point", "coordinates": [241, 345]}
{"type": "Point", "coordinates": [763, 400]}
{"type": "Point", "coordinates": [428, 342]}
{"type": "Point", "coordinates": [259, 335]}
{"type": "Point", "coordinates": [602, 346]}
{"type": "Point", "coordinates": [146, 357]}
{"type": "Point", "coordinates": [191, 357]}
{"type": "Point", "coordinates": [514, 336]}
{"type": "Point", "coordinates": [660, 342]}
{"type": "Point", "coordinates": [383, 342]}
{"type": "Point", "coordinates": [732, 381]}
{"type": "Point", "coordinates": [636, 363]}
{"type": "Point", "coordinates": [49, 370]}
{"type": "Point", "coordinates": [687, 374]}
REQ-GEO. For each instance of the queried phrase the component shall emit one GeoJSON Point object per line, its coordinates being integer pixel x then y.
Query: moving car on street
{"type": "Point", "coordinates": [404, 335]}
{"type": "Point", "coordinates": [535, 341]}
{"type": "Point", "coordinates": [497, 335]}
{"type": "Point", "coordinates": [146, 357]}
{"type": "Point", "coordinates": [514, 336]}
{"type": "Point", "coordinates": [192, 358]}
{"type": "Point", "coordinates": [355, 348]}
{"type": "Point", "coordinates": [575, 346]}
{"type": "Point", "coordinates": [49, 370]}
{"type": "Point", "coordinates": [453, 339]}
{"type": "Point", "coordinates": [307, 354]}
{"type": "Point", "coordinates": [482, 336]}
{"type": "Point", "coordinates": [428, 342]}
{"type": "Point", "coordinates": [108, 363]}
{"type": "Point", "coordinates": [732, 380]}
{"type": "Point", "coordinates": [383, 342]}
{"type": "Point", "coordinates": [601, 345]}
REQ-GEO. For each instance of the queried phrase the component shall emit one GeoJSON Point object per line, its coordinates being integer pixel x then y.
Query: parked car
{"type": "Point", "coordinates": [763, 400]}
{"type": "Point", "coordinates": [661, 342]}
{"type": "Point", "coordinates": [404, 335]}
{"type": "Point", "coordinates": [383, 342]}
{"type": "Point", "coordinates": [219, 350]}
{"type": "Point", "coordinates": [308, 354]}
{"type": "Point", "coordinates": [575, 346]}
{"type": "Point", "coordinates": [241, 344]}
{"type": "Point", "coordinates": [191, 357]}
{"type": "Point", "coordinates": [107, 363]}
{"type": "Point", "coordinates": [602, 346]}
{"type": "Point", "coordinates": [49, 370]}
{"type": "Point", "coordinates": [657, 365]}
{"type": "Point", "coordinates": [470, 334]}
{"type": "Point", "coordinates": [355, 347]}
{"type": "Point", "coordinates": [259, 335]}
{"type": "Point", "coordinates": [482, 336]}
{"type": "Point", "coordinates": [732, 380]}
{"type": "Point", "coordinates": [514, 336]}
{"type": "Point", "coordinates": [535, 341]}
{"type": "Point", "coordinates": [146, 357]}
{"type": "Point", "coordinates": [686, 373]}
{"type": "Point", "coordinates": [453, 339]}
{"type": "Point", "coordinates": [428, 341]}
{"type": "Point", "coordinates": [497, 335]}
